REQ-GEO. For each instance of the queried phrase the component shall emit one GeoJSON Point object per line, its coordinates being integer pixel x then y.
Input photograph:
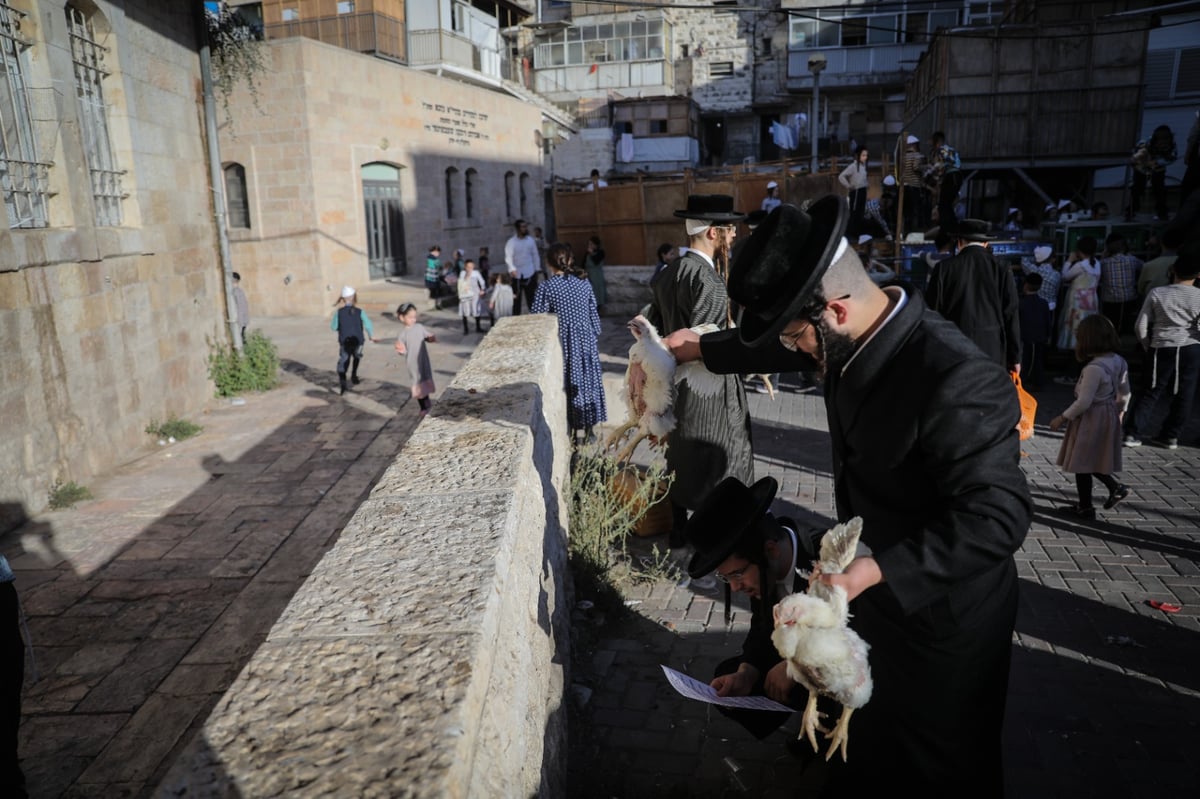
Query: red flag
{"type": "Point", "coordinates": [593, 69]}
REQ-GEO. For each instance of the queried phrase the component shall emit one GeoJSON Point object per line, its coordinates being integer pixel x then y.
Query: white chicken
{"type": "Point", "coordinates": [822, 653]}
{"type": "Point", "coordinates": [649, 389]}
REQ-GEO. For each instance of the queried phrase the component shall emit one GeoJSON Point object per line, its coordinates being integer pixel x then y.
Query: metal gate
{"type": "Point", "coordinates": [385, 228]}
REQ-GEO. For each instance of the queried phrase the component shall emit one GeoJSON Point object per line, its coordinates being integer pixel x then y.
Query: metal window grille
{"type": "Point", "coordinates": [24, 180]}
{"type": "Point", "coordinates": [235, 196]}
{"type": "Point", "coordinates": [88, 56]}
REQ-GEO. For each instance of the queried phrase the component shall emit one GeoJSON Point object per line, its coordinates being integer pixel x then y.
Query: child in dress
{"type": "Point", "coordinates": [500, 304]}
{"type": "Point", "coordinates": [1091, 446]}
{"type": "Point", "coordinates": [411, 344]}
{"type": "Point", "coordinates": [470, 289]}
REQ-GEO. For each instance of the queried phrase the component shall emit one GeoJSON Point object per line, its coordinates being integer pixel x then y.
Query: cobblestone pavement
{"type": "Point", "coordinates": [1104, 695]}
{"type": "Point", "coordinates": [144, 603]}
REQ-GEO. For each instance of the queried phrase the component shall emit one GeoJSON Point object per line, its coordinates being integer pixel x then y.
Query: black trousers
{"type": "Point", "coordinates": [759, 723]}
{"type": "Point", "coordinates": [1158, 187]}
{"type": "Point", "coordinates": [350, 355]}
{"type": "Point", "coordinates": [526, 286]}
{"type": "Point", "coordinates": [951, 183]}
{"type": "Point", "coordinates": [1158, 379]}
{"type": "Point", "coordinates": [12, 676]}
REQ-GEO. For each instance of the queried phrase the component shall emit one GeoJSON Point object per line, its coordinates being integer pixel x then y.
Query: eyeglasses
{"type": "Point", "coordinates": [734, 576]}
{"type": "Point", "coordinates": [791, 341]}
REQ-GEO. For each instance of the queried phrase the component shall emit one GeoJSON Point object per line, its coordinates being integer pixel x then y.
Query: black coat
{"type": "Point", "coordinates": [925, 450]}
{"type": "Point", "coordinates": [978, 293]}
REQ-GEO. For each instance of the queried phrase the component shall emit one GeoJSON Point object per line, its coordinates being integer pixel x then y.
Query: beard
{"type": "Point", "coordinates": [835, 349]}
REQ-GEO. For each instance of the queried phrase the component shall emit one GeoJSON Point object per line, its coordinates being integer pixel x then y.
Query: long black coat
{"type": "Point", "coordinates": [711, 439]}
{"type": "Point", "coordinates": [977, 292]}
{"type": "Point", "coordinates": [925, 450]}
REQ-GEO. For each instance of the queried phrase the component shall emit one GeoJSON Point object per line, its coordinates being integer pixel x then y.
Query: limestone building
{"type": "Point", "coordinates": [361, 151]}
{"type": "Point", "coordinates": [109, 281]}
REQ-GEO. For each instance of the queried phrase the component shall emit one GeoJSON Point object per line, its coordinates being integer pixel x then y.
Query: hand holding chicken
{"type": "Point", "coordinates": [821, 651]}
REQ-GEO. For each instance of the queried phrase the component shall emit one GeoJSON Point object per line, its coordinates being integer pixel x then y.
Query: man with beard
{"type": "Point", "coordinates": [925, 450]}
{"type": "Point", "coordinates": [711, 439]}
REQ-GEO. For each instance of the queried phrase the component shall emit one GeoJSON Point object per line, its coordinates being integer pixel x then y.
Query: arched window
{"type": "Point", "coordinates": [510, 194]}
{"type": "Point", "coordinates": [471, 186]}
{"type": "Point", "coordinates": [237, 204]}
{"type": "Point", "coordinates": [525, 191]}
{"type": "Point", "coordinates": [451, 186]}
{"type": "Point", "coordinates": [88, 55]}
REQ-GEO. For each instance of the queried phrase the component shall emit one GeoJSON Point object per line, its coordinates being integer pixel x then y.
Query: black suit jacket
{"type": "Point", "coordinates": [925, 450]}
{"type": "Point", "coordinates": [977, 292]}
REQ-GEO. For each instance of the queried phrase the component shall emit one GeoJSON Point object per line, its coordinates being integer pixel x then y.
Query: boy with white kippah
{"type": "Point", "coordinates": [353, 327]}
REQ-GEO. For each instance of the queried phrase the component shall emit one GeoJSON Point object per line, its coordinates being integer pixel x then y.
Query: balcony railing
{"type": "Point", "coordinates": [364, 33]}
{"type": "Point", "coordinates": [612, 75]}
{"type": "Point", "coordinates": [435, 46]}
{"type": "Point", "coordinates": [882, 61]}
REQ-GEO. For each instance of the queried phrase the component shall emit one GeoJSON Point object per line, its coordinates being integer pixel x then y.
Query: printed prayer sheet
{"type": "Point", "coordinates": [694, 689]}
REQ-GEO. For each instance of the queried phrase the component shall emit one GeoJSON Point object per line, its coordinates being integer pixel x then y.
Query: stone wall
{"type": "Point", "coordinates": [104, 327]}
{"type": "Point", "coordinates": [426, 654]}
{"type": "Point", "coordinates": [628, 290]}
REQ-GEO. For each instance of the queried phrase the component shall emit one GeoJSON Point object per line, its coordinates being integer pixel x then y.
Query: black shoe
{"type": "Point", "coordinates": [1080, 511]}
{"type": "Point", "coordinates": [1166, 443]}
{"type": "Point", "coordinates": [354, 379]}
{"type": "Point", "coordinates": [342, 390]}
{"type": "Point", "coordinates": [1114, 497]}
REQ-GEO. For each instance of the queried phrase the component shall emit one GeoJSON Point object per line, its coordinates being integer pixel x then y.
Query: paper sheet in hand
{"type": "Point", "coordinates": [694, 689]}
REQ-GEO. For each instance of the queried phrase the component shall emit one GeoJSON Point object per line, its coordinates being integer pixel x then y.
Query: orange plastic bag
{"type": "Point", "coordinates": [1028, 409]}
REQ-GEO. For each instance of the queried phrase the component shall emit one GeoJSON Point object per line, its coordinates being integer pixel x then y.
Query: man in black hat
{"type": "Point", "coordinates": [711, 439]}
{"type": "Point", "coordinates": [756, 554]}
{"type": "Point", "coordinates": [976, 292]}
{"type": "Point", "coordinates": [925, 450]}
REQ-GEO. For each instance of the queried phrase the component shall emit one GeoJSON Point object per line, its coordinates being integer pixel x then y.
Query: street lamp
{"type": "Point", "coordinates": [816, 63]}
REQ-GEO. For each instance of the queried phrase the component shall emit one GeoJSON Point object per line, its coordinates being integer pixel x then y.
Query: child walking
{"type": "Point", "coordinates": [411, 344]}
{"type": "Point", "coordinates": [500, 304]}
{"type": "Point", "coordinates": [470, 289]}
{"type": "Point", "coordinates": [1091, 447]}
{"type": "Point", "coordinates": [353, 328]}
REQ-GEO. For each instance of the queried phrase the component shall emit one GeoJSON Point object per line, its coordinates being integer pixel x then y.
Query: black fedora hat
{"type": "Point", "coordinates": [729, 513]}
{"type": "Point", "coordinates": [777, 272]}
{"type": "Point", "coordinates": [710, 208]}
{"type": "Point", "coordinates": [969, 230]}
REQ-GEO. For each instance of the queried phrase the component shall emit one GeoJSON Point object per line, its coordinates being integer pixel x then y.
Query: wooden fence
{"type": "Point", "coordinates": [633, 218]}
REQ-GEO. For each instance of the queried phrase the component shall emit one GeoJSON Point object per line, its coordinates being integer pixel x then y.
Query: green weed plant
{"type": "Point", "coordinates": [256, 368]}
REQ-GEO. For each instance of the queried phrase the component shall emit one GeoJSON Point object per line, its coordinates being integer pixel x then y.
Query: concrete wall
{"type": "Point", "coordinates": [323, 113]}
{"type": "Point", "coordinates": [426, 654]}
{"type": "Point", "coordinates": [104, 327]}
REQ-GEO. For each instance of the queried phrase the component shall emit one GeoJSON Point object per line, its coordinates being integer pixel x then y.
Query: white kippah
{"type": "Point", "coordinates": [695, 227]}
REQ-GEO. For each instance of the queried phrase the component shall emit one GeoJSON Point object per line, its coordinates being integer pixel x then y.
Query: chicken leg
{"type": "Point", "coordinates": [810, 722]}
{"type": "Point", "coordinates": [840, 735]}
{"type": "Point", "coordinates": [615, 438]}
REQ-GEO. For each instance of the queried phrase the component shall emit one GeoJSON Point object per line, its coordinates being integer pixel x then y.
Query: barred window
{"type": "Point", "coordinates": [88, 55]}
{"type": "Point", "coordinates": [24, 179]}
{"type": "Point", "coordinates": [236, 201]}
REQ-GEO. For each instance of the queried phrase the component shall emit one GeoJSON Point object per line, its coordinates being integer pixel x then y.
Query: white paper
{"type": "Point", "coordinates": [694, 689]}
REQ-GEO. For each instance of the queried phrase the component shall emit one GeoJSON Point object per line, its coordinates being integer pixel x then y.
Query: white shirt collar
{"type": "Point", "coordinates": [900, 303]}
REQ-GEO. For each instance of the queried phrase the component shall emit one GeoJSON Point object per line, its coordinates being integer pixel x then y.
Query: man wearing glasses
{"type": "Point", "coordinates": [924, 444]}
{"type": "Point", "coordinates": [711, 439]}
{"type": "Point", "coordinates": [751, 552]}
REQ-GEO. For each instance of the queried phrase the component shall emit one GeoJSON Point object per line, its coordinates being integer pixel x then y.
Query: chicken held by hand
{"type": "Point", "coordinates": [822, 653]}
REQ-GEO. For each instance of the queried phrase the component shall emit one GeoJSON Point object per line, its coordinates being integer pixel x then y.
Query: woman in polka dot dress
{"type": "Point", "coordinates": [568, 295]}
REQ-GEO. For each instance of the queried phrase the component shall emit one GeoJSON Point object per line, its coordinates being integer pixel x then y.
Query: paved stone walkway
{"type": "Point", "coordinates": [1105, 693]}
{"type": "Point", "coordinates": [144, 603]}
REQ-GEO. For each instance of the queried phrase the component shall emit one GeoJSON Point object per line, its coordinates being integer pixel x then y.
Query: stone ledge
{"type": "Point", "coordinates": [425, 655]}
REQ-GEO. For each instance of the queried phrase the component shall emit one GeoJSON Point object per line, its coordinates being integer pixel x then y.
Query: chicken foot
{"type": "Point", "coordinates": [840, 735]}
{"type": "Point", "coordinates": [617, 435]}
{"type": "Point", "coordinates": [810, 722]}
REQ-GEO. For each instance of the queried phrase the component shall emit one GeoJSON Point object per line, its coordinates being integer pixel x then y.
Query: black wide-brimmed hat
{"type": "Point", "coordinates": [777, 272]}
{"type": "Point", "coordinates": [710, 208]}
{"type": "Point", "coordinates": [969, 230]}
{"type": "Point", "coordinates": [729, 514]}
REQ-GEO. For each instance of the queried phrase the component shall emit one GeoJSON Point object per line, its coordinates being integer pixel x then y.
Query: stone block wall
{"type": "Point", "coordinates": [104, 327]}
{"type": "Point", "coordinates": [426, 654]}
{"type": "Point", "coordinates": [628, 290]}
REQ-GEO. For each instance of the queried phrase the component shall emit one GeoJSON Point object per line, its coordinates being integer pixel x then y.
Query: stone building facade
{"type": "Point", "coordinates": [351, 166]}
{"type": "Point", "coordinates": [109, 280]}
